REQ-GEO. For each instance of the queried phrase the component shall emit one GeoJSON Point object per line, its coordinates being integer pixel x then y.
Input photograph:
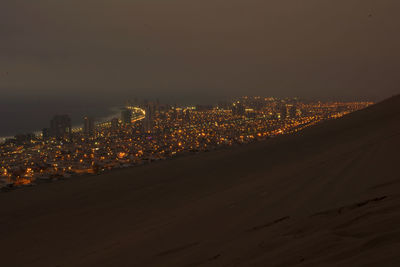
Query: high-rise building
{"type": "Point", "coordinates": [187, 116]}
{"type": "Point", "coordinates": [46, 133]}
{"type": "Point", "coordinates": [114, 124]}
{"type": "Point", "coordinates": [157, 107]}
{"type": "Point", "coordinates": [126, 116]}
{"type": "Point", "coordinates": [283, 112]}
{"type": "Point", "coordinates": [225, 105]}
{"type": "Point", "coordinates": [174, 113]}
{"type": "Point", "coordinates": [88, 126]}
{"type": "Point", "coordinates": [21, 138]}
{"type": "Point", "coordinates": [149, 118]}
{"type": "Point", "coordinates": [238, 109]}
{"type": "Point", "coordinates": [292, 111]}
{"type": "Point", "coordinates": [60, 126]}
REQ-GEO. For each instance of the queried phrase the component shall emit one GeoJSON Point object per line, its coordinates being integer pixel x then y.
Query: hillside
{"type": "Point", "coordinates": [329, 195]}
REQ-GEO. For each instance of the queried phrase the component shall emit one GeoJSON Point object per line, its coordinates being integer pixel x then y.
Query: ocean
{"type": "Point", "coordinates": [20, 116]}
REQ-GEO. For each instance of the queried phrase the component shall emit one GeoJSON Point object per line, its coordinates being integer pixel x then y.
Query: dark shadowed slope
{"type": "Point", "coordinates": [328, 195]}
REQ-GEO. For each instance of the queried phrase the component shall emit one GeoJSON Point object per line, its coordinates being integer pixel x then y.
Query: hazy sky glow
{"type": "Point", "coordinates": [311, 48]}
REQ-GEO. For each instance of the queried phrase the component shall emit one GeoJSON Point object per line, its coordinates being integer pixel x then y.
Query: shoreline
{"type": "Point", "coordinates": [114, 112]}
{"type": "Point", "coordinates": [333, 184]}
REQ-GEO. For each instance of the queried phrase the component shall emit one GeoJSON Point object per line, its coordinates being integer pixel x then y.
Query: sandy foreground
{"type": "Point", "coordinates": [328, 196]}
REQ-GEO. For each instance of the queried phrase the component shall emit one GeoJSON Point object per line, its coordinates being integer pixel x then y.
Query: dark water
{"type": "Point", "coordinates": [33, 114]}
{"type": "Point", "coordinates": [30, 113]}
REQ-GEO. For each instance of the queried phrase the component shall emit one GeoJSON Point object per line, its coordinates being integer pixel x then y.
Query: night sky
{"type": "Point", "coordinates": [185, 49]}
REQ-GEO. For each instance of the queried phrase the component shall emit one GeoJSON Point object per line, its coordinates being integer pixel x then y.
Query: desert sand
{"type": "Point", "coordinates": [326, 196]}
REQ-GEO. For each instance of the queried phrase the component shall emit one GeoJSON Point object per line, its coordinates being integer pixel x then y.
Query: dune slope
{"type": "Point", "coordinates": [329, 195]}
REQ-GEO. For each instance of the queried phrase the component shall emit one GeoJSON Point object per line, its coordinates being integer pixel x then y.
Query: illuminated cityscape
{"type": "Point", "coordinates": [152, 131]}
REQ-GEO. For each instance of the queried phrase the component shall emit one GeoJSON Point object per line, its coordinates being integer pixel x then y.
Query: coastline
{"type": "Point", "coordinates": [114, 111]}
{"type": "Point", "coordinates": [322, 196]}
{"type": "Point", "coordinates": [131, 154]}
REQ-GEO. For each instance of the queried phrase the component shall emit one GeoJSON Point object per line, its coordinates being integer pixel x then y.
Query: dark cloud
{"type": "Point", "coordinates": [309, 48]}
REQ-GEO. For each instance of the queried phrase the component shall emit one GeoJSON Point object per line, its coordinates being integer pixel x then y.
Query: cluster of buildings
{"type": "Point", "coordinates": [150, 132]}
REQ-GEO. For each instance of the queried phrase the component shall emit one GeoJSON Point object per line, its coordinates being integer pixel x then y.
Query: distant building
{"type": "Point", "coordinates": [292, 111]}
{"type": "Point", "coordinates": [114, 124]}
{"type": "Point", "coordinates": [149, 118]}
{"type": "Point", "coordinates": [238, 109]}
{"type": "Point", "coordinates": [22, 138]}
{"type": "Point", "coordinates": [174, 113]}
{"type": "Point", "coordinates": [60, 126]}
{"type": "Point", "coordinates": [46, 133]}
{"type": "Point", "coordinates": [88, 126]}
{"type": "Point", "coordinates": [204, 107]}
{"type": "Point", "coordinates": [157, 106]}
{"type": "Point", "coordinates": [283, 112]}
{"type": "Point", "coordinates": [187, 116]}
{"type": "Point", "coordinates": [224, 105]}
{"type": "Point", "coordinates": [126, 117]}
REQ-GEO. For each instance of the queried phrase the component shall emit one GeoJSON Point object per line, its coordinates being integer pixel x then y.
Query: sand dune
{"type": "Point", "coordinates": [328, 196]}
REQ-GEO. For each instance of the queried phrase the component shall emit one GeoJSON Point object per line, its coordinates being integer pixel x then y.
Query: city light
{"type": "Point", "coordinates": [152, 132]}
